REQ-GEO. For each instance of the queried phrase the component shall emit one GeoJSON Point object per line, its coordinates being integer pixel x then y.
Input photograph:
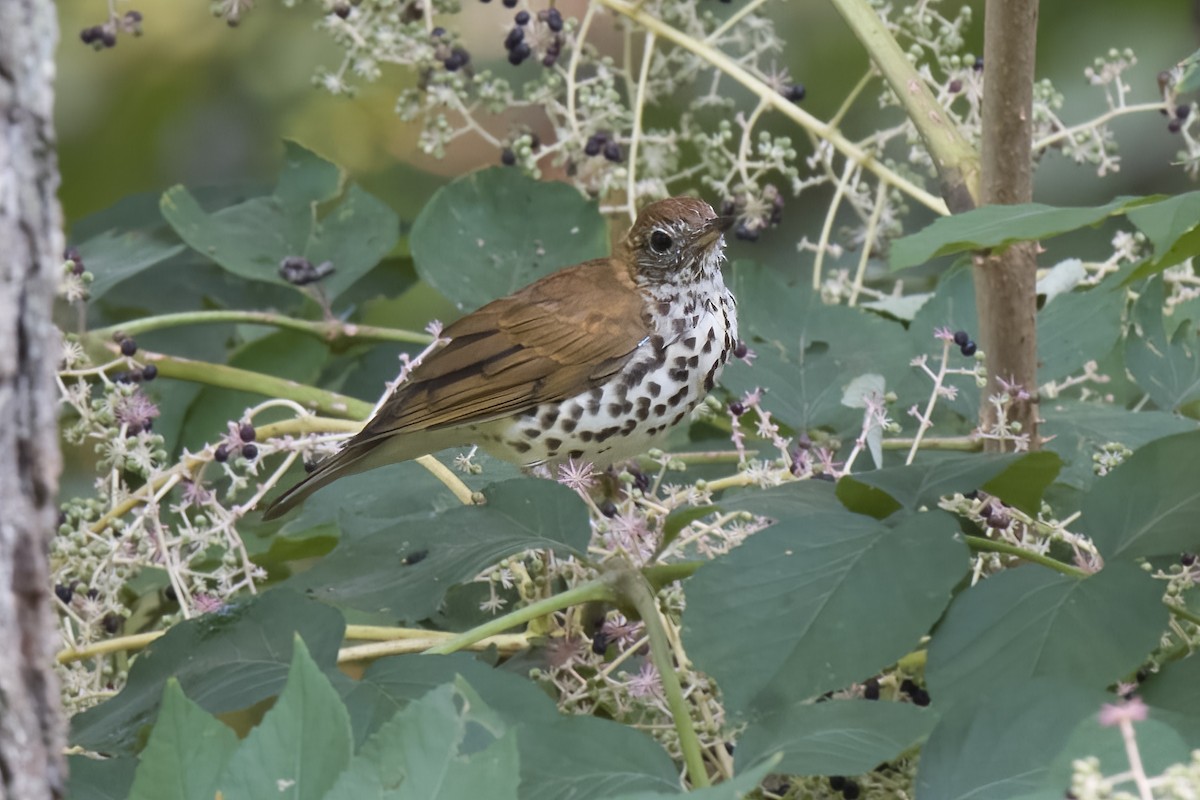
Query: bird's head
{"type": "Point", "coordinates": [677, 240]}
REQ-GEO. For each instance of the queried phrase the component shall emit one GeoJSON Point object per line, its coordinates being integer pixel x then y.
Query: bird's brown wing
{"type": "Point", "coordinates": [549, 341]}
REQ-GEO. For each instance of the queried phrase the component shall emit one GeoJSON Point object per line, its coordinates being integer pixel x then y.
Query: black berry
{"type": "Point", "coordinates": [128, 347]}
{"type": "Point", "coordinates": [221, 454]}
{"type": "Point", "coordinates": [554, 20]}
{"type": "Point", "coordinates": [247, 433]}
{"type": "Point", "coordinates": [519, 53]}
{"type": "Point", "coordinates": [522, 18]}
{"type": "Point", "coordinates": [508, 157]}
{"type": "Point", "coordinates": [149, 372]}
{"type": "Point", "coordinates": [1182, 112]}
{"type": "Point", "coordinates": [438, 32]}
{"type": "Point", "coordinates": [514, 38]}
{"type": "Point", "coordinates": [112, 623]}
{"type": "Point", "coordinates": [89, 35]}
{"type": "Point", "coordinates": [1187, 559]}
{"type": "Point", "coordinates": [1174, 126]}
{"type": "Point", "coordinates": [961, 338]}
{"type": "Point", "coordinates": [978, 65]}
{"type": "Point", "coordinates": [108, 38]}
{"type": "Point", "coordinates": [969, 349]}
{"type": "Point", "coordinates": [608, 508]}
{"type": "Point", "coordinates": [851, 790]}
{"type": "Point", "coordinates": [908, 686]}
{"type": "Point", "coordinates": [737, 409]}
{"type": "Point", "coordinates": [836, 782]}
{"type": "Point", "coordinates": [612, 152]}
{"type": "Point", "coordinates": [122, 377]}
{"type": "Point", "coordinates": [64, 593]}
{"type": "Point", "coordinates": [920, 697]}
{"type": "Point", "coordinates": [740, 350]}
{"type": "Point", "coordinates": [593, 146]}
{"type": "Point", "coordinates": [342, 9]}
{"type": "Point", "coordinates": [600, 642]}
{"type": "Point", "coordinates": [871, 689]}
{"type": "Point", "coordinates": [955, 86]}
{"type": "Point", "coordinates": [249, 452]}
{"type": "Point", "coordinates": [310, 466]}
{"type": "Point", "coordinates": [510, 3]}
{"type": "Point", "coordinates": [795, 92]}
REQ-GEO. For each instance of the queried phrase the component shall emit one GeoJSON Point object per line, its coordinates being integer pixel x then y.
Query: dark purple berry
{"type": "Point", "coordinates": [133, 17]}
{"type": "Point", "coordinates": [969, 349]}
{"type": "Point", "coordinates": [310, 466]}
{"type": "Point", "coordinates": [961, 338]}
{"type": "Point", "coordinates": [535, 141]}
{"type": "Point", "coordinates": [836, 782]}
{"type": "Point", "coordinates": [1187, 559]}
{"type": "Point", "coordinates": [608, 508]}
{"type": "Point", "coordinates": [514, 38]}
{"type": "Point", "coordinates": [920, 697]}
{"type": "Point", "coordinates": [64, 593]}
{"type": "Point", "coordinates": [549, 60]}
{"type": "Point", "coordinates": [747, 233]}
{"type": "Point", "coordinates": [554, 20]}
{"type": "Point", "coordinates": [92, 594]}
{"type": "Point", "coordinates": [1183, 111]}
{"type": "Point", "coordinates": [112, 623]}
{"type": "Point", "coordinates": [600, 642]}
{"type": "Point", "coordinates": [955, 86]}
{"type": "Point", "coordinates": [149, 372]}
{"type": "Point", "coordinates": [438, 32]}
{"type": "Point", "coordinates": [128, 347]}
{"type": "Point", "coordinates": [871, 689]}
{"type": "Point", "coordinates": [221, 454]}
{"type": "Point", "coordinates": [342, 9]}
{"type": "Point", "coordinates": [122, 377]}
{"type": "Point", "coordinates": [247, 432]}
{"type": "Point", "coordinates": [908, 686]}
{"type": "Point", "coordinates": [510, 3]}
{"type": "Point", "coordinates": [72, 254]}
{"type": "Point", "coordinates": [740, 350]}
{"type": "Point", "coordinates": [795, 93]}
{"type": "Point", "coordinates": [249, 452]}
{"type": "Point", "coordinates": [978, 65]}
{"type": "Point", "coordinates": [89, 35]}
{"type": "Point", "coordinates": [108, 38]}
{"type": "Point", "coordinates": [851, 790]}
{"type": "Point", "coordinates": [737, 409]}
{"type": "Point", "coordinates": [1174, 126]}
{"type": "Point", "coordinates": [519, 53]}
{"type": "Point", "coordinates": [612, 152]}
{"type": "Point", "coordinates": [508, 157]}
{"type": "Point", "coordinates": [522, 18]}
{"type": "Point", "coordinates": [133, 430]}
{"type": "Point", "coordinates": [592, 148]}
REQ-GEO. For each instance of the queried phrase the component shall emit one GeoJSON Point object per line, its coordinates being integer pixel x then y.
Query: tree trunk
{"type": "Point", "coordinates": [1006, 281]}
{"type": "Point", "coordinates": [31, 730]}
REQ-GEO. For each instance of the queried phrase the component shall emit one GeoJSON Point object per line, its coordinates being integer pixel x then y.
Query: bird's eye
{"type": "Point", "coordinates": [660, 242]}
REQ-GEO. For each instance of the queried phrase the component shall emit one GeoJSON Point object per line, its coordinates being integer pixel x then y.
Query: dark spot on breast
{"type": "Point", "coordinates": [628, 427]}
{"type": "Point", "coordinates": [626, 407]}
{"type": "Point", "coordinates": [690, 343]}
{"type": "Point", "coordinates": [660, 410]}
{"type": "Point", "coordinates": [532, 433]}
{"type": "Point", "coordinates": [711, 377]}
{"type": "Point", "coordinates": [694, 361]}
{"type": "Point", "coordinates": [607, 433]}
{"type": "Point", "coordinates": [653, 388]}
{"type": "Point", "coordinates": [633, 376]}
{"type": "Point", "coordinates": [681, 361]}
{"type": "Point", "coordinates": [576, 454]}
{"type": "Point", "coordinates": [654, 430]}
{"type": "Point", "coordinates": [664, 308]}
{"type": "Point", "coordinates": [679, 375]}
{"type": "Point", "coordinates": [593, 405]}
{"type": "Point", "coordinates": [576, 411]}
{"type": "Point", "coordinates": [614, 409]}
{"type": "Point", "coordinates": [586, 435]}
{"type": "Point", "coordinates": [549, 417]}
{"type": "Point", "coordinates": [553, 444]}
{"type": "Point", "coordinates": [677, 398]}
{"type": "Point", "coordinates": [708, 344]}
{"type": "Point", "coordinates": [680, 324]}
{"type": "Point", "coordinates": [519, 446]}
{"type": "Point", "coordinates": [568, 425]}
{"type": "Point", "coordinates": [678, 417]}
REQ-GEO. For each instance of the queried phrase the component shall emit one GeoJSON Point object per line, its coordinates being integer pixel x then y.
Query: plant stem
{"type": "Point", "coordinates": [331, 331]}
{"type": "Point", "coordinates": [592, 591]}
{"type": "Point", "coordinates": [956, 160]}
{"type": "Point", "coordinates": [778, 102]}
{"type": "Point", "coordinates": [979, 544]}
{"type": "Point", "coordinates": [507, 644]}
{"type": "Point", "coordinates": [632, 587]}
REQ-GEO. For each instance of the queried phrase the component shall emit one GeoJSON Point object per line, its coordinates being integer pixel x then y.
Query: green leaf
{"type": "Point", "coordinates": [422, 754]}
{"type": "Point", "coordinates": [224, 661]}
{"type": "Point", "coordinates": [1077, 430]}
{"type": "Point", "coordinates": [820, 599]}
{"type": "Point", "coordinates": [1032, 622]}
{"type": "Point", "coordinates": [302, 744]}
{"type": "Point", "coordinates": [1148, 506]}
{"type": "Point", "coordinates": [100, 779]}
{"type": "Point", "coordinates": [838, 737]}
{"type": "Point", "coordinates": [1000, 226]}
{"type": "Point", "coordinates": [1005, 742]}
{"type": "Point", "coordinates": [187, 751]}
{"type": "Point", "coordinates": [405, 569]}
{"type": "Point", "coordinates": [1170, 225]}
{"type": "Point", "coordinates": [1175, 689]}
{"type": "Point", "coordinates": [585, 758]}
{"type": "Point", "coordinates": [1167, 369]}
{"type": "Point", "coordinates": [310, 214]}
{"type": "Point", "coordinates": [740, 786]}
{"type": "Point", "coordinates": [491, 232]}
{"type": "Point", "coordinates": [1077, 327]}
{"type": "Point", "coordinates": [1016, 478]}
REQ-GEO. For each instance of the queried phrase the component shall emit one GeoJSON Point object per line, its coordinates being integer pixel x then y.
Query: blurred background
{"type": "Point", "coordinates": [194, 101]}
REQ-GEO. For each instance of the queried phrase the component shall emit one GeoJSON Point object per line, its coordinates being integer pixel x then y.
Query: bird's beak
{"type": "Point", "coordinates": [715, 227]}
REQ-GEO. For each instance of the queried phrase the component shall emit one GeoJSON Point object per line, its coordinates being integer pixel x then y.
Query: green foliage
{"type": "Point", "coordinates": [789, 597]}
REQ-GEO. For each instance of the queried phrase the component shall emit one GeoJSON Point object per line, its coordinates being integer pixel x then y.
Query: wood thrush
{"type": "Point", "coordinates": [593, 362]}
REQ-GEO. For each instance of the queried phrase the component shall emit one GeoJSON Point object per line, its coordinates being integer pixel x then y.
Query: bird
{"type": "Point", "coordinates": [591, 363]}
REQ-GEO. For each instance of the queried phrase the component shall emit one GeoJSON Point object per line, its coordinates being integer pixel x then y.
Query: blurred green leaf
{"type": "Point", "coordinates": [224, 661]}
{"type": "Point", "coordinates": [1003, 743]}
{"type": "Point", "coordinates": [302, 744]}
{"type": "Point", "coordinates": [740, 786]}
{"type": "Point", "coordinates": [405, 569]}
{"type": "Point", "coordinates": [837, 737]}
{"type": "Point", "coordinates": [491, 232]}
{"type": "Point", "coordinates": [100, 779]}
{"type": "Point", "coordinates": [1034, 622]}
{"type": "Point", "coordinates": [999, 226]}
{"type": "Point", "coordinates": [310, 215]}
{"type": "Point", "coordinates": [1148, 506]}
{"type": "Point", "coordinates": [187, 751]}
{"type": "Point", "coordinates": [820, 599]}
{"type": "Point", "coordinates": [1016, 478]}
{"type": "Point", "coordinates": [1168, 370]}
{"type": "Point", "coordinates": [1170, 225]}
{"type": "Point", "coordinates": [422, 754]}
{"type": "Point", "coordinates": [1077, 430]}
{"type": "Point", "coordinates": [1076, 327]}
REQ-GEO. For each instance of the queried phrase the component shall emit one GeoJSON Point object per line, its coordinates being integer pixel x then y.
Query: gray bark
{"type": "Point", "coordinates": [31, 730]}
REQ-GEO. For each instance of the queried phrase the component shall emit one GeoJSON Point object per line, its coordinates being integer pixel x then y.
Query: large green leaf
{"type": "Point", "coordinates": [1148, 506]}
{"type": "Point", "coordinates": [740, 786]}
{"type": "Point", "coordinates": [1077, 327]}
{"type": "Point", "coordinates": [1077, 431]}
{"type": "Point", "coordinates": [491, 232]}
{"type": "Point", "coordinates": [1033, 622]}
{"type": "Point", "coordinates": [1175, 689]}
{"type": "Point", "coordinates": [422, 753]}
{"type": "Point", "coordinates": [1016, 478]}
{"type": "Point", "coordinates": [224, 661]}
{"type": "Point", "coordinates": [1167, 369]}
{"type": "Point", "coordinates": [100, 779]}
{"type": "Point", "coordinates": [999, 226]}
{"type": "Point", "coordinates": [817, 601]}
{"type": "Point", "coordinates": [1171, 227]}
{"type": "Point", "coordinates": [405, 569]}
{"type": "Point", "coordinates": [302, 744]}
{"type": "Point", "coordinates": [1003, 744]}
{"type": "Point", "coordinates": [838, 737]}
{"type": "Point", "coordinates": [310, 215]}
{"type": "Point", "coordinates": [186, 754]}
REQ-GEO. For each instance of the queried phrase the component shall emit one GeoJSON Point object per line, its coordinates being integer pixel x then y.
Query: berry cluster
{"type": "Point", "coordinates": [849, 789]}
{"type": "Point", "coordinates": [520, 46]}
{"type": "Point", "coordinates": [1182, 112]}
{"type": "Point", "coordinates": [965, 345]}
{"type": "Point", "coordinates": [104, 36]}
{"type": "Point", "coordinates": [243, 441]}
{"type": "Point", "coordinates": [603, 142]}
{"type": "Point", "coordinates": [755, 212]}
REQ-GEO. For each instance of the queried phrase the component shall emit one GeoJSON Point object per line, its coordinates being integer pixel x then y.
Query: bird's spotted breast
{"type": "Point", "coordinates": [668, 374]}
